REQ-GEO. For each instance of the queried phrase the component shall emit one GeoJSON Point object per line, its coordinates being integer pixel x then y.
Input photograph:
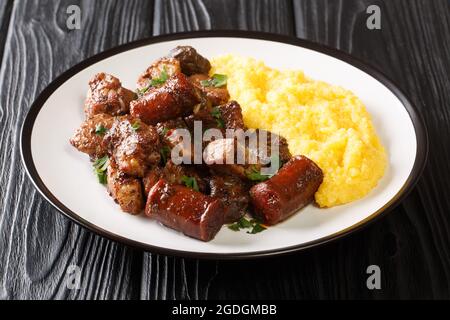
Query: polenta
{"type": "Point", "coordinates": [327, 123]}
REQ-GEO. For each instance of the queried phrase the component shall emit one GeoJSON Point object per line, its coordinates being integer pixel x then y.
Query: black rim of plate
{"type": "Point", "coordinates": [419, 127]}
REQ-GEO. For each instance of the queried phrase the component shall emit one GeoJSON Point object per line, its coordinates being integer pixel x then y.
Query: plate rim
{"type": "Point", "coordinates": [414, 175]}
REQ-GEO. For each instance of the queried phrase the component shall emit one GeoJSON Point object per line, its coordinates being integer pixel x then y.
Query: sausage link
{"type": "Point", "coordinates": [186, 210]}
{"type": "Point", "coordinates": [289, 190]}
{"type": "Point", "coordinates": [175, 98]}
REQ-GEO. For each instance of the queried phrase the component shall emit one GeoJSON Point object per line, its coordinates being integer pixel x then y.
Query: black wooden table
{"type": "Point", "coordinates": [411, 245]}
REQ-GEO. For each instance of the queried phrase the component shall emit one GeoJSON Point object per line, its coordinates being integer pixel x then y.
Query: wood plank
{"type": "Point", "coordinates": [5, 15]}
{"type": "Point", "coordinates": [411, 245]}
{"type": "Point", "coordinates": [38, 244]}
{"type": "Point", "coordinates": [176, 278]}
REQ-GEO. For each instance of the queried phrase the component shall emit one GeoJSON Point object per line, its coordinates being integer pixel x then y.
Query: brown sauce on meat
{"type": "Point", "coordinates": [134, 133]}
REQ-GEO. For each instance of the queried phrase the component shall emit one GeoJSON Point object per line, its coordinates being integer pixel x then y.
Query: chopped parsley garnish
{"type": "Point", "coordinates": [136, 125]}
{"type": "Point", "coordinates": [253, 226]}
{"type": "Point", "coordinates": [100, 129]}
{"type": "Point", "coordinates": [218, 116]}
{"type": "Point", "coordinates": [190, 182]}
{"type": "Point", "coordinates": [100, 165]}
{"type": "Point", "coordinates": [164, 152]}
{"type": "Point", "coordinates": [254, 174]}
{"type": "Point", "coordinates": [155, 82]}
{"type": "Point", "coordinates": [217, 81]}
{"type": "Point", "coordinates": [141, 91]}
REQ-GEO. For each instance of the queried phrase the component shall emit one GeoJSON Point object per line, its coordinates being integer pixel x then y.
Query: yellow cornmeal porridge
{"type": "Point", "coordinates": [326, 123]}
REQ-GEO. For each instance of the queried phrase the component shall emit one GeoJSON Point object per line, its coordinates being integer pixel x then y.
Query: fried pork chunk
{"type": "Point", "coordinates": [191, 61]}
{"type": "Point", "coordinates": [234, 194]}
{"type": "Point", "coordinates": [88, 138]}
{"type": "Point", "coordinates": [125, 190]}
{"type": "Point", "coordinates": [248, 158]}
{"type": "Point", "coordinates": [176, 174]}
{"type": "Point", "coordinates": [106, 95]}
{"type": "Point", "coordinates": [133, 145]}
{"type": "Point", "coordinates": [164, 67]}
{"type": "Point", "coordinates": [280, 145]}
{"type": "Point", "coordinates": [217, 96]}
{"type": "Point", "coordinates": [225, 116]}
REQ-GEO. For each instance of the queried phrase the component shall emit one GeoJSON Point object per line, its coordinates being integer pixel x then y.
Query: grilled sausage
{"type": "Point", "coordinates": [289, 190]}
{"type": "Point", "coordinates": [175, 98]}
{"type": "Point", "coordinates": [186, 210]}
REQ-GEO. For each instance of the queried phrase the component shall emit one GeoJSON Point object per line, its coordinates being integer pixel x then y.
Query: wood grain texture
{"type": "Point", "coordinates": [176, 278]}
{"type": "Point", "coordinates": [412, 49]}
{"type": "Point", "coordinates": [38, 244]}
{"type": "Point", "coordinates": [5, 15]}
{"type": "Point", "coordinates": [411, 245]}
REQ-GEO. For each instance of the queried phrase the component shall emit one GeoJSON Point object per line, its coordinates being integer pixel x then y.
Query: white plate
{"type": "Point", "coordinates": [64, 176]}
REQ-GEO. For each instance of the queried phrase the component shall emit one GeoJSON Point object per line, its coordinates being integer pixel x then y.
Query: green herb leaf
{"type": "Point", "coordinates": [190, 182]}
{"type": "Point", "coordinates": [136, 125]}
{"type": "Point", "coordinates": [234, 226]}
{"type": "Point", "coordinates": [161, 80]}
{"type": "Point", "coordinates": [217, 81]}
{"type": "Point", "coordinates": [100, 165]}
{"type": "Point", "coordinates": [101, 176]}
{"type": "Point", "coordinates": [100, 129]}
{"type": "Point", "coordinates": [154, 82]}
{"type": "Point", "coordinates": [140, 92]}
{"type": "Point", "coordinates": [253, 226]}
{"type": "Point", "coordinates": [254, 175]}
{"type": "Point", "coordinates": [165, 131]}
{"type": "Point", "coordinates": [164, 152]}
{"type": "Point", "coordinates": [218, 116]}
{"type": "Point", "coordinates": [257, 228]}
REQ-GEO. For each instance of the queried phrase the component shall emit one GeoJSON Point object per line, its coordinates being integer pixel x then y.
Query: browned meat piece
{"type": "Point", "coordinates": [222, 156]}
{"type": "Point", "coordinates": [226, 116]}
{"type": "Point", "coordinates": [175, 174]}
{"type": "Point", "coordinates": [281, 146]}
{"type": "Point", "coordinates": [168, 66]}
{"type": "Point", "coordinates": [217, 96]}
{"type": "Point", "coordinates": [133, 145]}
{"type": "Point", "coordinates": [106, 95]}
{"type": "Point", "coordinates": [249, 158]}
{"type": "Point", "coordinates": [186, 210]}
{"type": "Point", "coordinates": [176, 98]}
{"type": "Point", "coordinates": [234, 194]}
{"type": "Point", "coordinates": [88, 138]}
{"type": "Point", "coordinates": [165, 127]}
{"type": "Point", "coordinates": [125, 190]}
{"type": "Point", "coordinates": [171, 134]}
{"type": "Point", "coordinates": [204, 114]}
{"type": "Point", "coordinates": [151, 177]}
{"type": "Point", "coordinates": [231, 115]}
{"type": "Point", "coordinates": [292, 188]}
{"type": "Point", "coordinates": [191, 62]}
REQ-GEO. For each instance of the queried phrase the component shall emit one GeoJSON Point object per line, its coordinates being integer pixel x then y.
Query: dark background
{"type": "Point", "coordinates": [411, 244]}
